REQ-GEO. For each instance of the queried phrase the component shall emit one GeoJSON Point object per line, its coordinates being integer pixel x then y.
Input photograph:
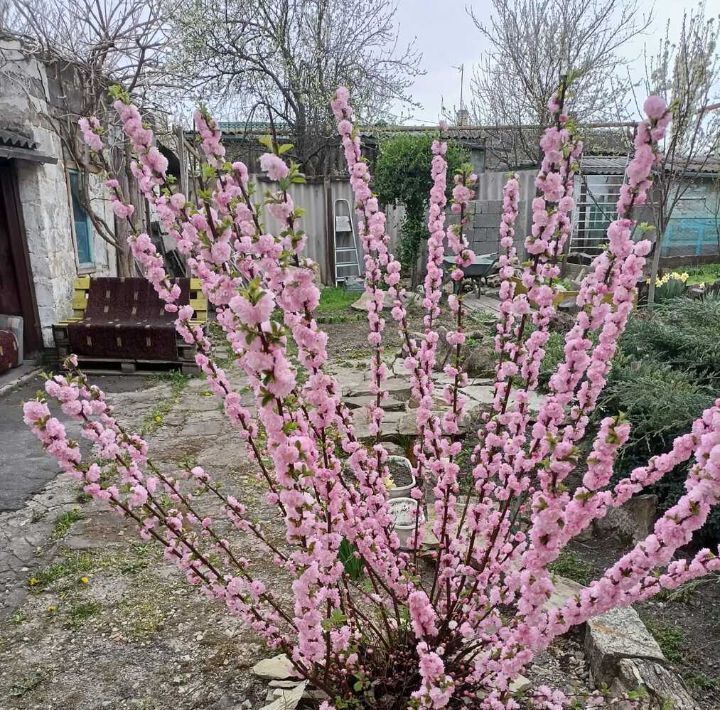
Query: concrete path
{"type": "Point", "coordinates": [32, 493]}
{"type": "Point", "coordinates": [24, 468]}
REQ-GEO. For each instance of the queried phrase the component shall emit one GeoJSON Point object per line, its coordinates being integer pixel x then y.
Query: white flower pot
{"type": "Point", "coordinates": [404, 515]}
{"type": "Point", "coordinates": [402, 491]}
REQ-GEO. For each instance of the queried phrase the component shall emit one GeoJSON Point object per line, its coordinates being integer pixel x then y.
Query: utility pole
{"type": "Point", "coordinates": [462, 114]}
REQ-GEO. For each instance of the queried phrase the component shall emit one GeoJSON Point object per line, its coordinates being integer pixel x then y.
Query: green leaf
{"type": "Point", "coordinates": [118, 92]}
{"type": "Point", "coordinates": [285, 148]}
{"type": "Point", "coordinates": [267, 141]}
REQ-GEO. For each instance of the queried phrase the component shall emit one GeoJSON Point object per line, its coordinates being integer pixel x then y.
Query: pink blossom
{"type": "Point", "coordinates": [274, 166]}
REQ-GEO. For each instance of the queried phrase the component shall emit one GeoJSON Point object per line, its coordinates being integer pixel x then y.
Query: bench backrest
{"type": "Point", "coordinates": [129, 299]}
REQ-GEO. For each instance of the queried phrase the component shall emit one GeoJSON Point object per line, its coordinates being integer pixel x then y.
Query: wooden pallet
{"type": "Point", "coordinates": [111, 366]}
{"type": "Point", "coordinates": [186, 353]}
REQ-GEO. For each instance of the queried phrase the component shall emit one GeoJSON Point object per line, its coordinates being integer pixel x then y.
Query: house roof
{"type": "Point", "coordinates": [603, 164]}
{"type": "Point", "coordinates": [14, 139]}
{"type": "Point", "coordinates": [615, 165]}
{"type": "Point", "coordinates": [605, 153]}
{"type": "Point", "coordinates": [17, 145]}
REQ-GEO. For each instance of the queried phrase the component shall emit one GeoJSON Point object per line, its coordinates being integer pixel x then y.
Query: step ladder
{"type": "Point", "coordinates": [347, 255]}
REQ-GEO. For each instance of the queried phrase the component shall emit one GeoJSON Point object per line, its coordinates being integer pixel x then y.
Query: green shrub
{"type": "Point", "coordinates": [659, 401]}
{"type": "Point", "coordinates": [684, 333]}
{"type": "Point", "coordinates": [666, 374]}
{"type": "Point", "coordinates": [403, 176]}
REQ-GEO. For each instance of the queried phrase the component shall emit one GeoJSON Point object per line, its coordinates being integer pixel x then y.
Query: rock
{"type": "Point", "coordinates": [480, 361]}
{"type": "Point", "coordinates": [396, 425]}
{"type": "Point", "coordinates": [664, 688]}
{"type": "Point", "coordinates": [394, 449]}
{"type": "Point", "coordinates": [519, 685]}
{"type": "Point", "coordinates": [362, 303]}
{"type": "Point", "coordinates": [618, 635]}
{"type": "Point", "coordinates": [633, 520]}
{"type": "Point", "coordinates": [397, 387]}
{"type": "Point", "coordinates": [283, 683]}
{"type": "Point", "coordinates": [277, 668]}
{"type": "Point", "coordinates": [564, 589]}
{"type": "Point", "coordinates": [389, 404]}
{"type": "Point", "coordinates": [315, 694]}
{"type": "Point", "coordinates": [483, 394]}
{"type": "Point", "coordinates": [288, 698]}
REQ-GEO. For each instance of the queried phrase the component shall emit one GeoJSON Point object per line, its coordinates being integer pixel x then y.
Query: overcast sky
{"type": "Point", "coordinates": [447, 38]}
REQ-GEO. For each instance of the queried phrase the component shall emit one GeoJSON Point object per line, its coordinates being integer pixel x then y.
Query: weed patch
{"type": "Point", "coordinates": [569, 565]}
{"type": "Point", "coordinates": [64, 522]}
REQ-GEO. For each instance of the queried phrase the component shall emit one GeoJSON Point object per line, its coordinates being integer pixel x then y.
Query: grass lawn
{"type": "Point", "coordinates": [706, 273]}
{"type": "Point", "coordinates": [335, 300]}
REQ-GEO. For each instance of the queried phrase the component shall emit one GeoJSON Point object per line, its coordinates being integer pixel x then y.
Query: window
{"type": "Point", "coordinates": [83, 225]}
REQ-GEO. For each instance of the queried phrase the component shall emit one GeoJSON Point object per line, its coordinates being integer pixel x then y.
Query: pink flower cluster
{"type": "Point", "coordinates": [480, 615]}
{"type": "Point", "coordinates": [89, 127]}
{"type": "Point", "coordinates": [211, 138]}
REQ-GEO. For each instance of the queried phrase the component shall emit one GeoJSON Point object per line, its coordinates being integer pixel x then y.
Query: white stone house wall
{"type": "Point", "coordinates": [45, 194]}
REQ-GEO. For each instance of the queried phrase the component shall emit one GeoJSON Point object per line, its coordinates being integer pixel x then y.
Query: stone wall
{"type": "Point", "coordinates": [44, 191]}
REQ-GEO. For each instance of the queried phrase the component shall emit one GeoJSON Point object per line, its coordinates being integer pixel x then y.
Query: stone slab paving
{"type": "Point", "coordinates": [91, 617]}
{"type": "Point", "coordinates": [400, 421]}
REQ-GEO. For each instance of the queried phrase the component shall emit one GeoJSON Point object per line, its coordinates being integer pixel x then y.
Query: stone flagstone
{"type": "Point", "coordinates": [277, 668]}
{"type": "Point", "coordinates": [288, 699]}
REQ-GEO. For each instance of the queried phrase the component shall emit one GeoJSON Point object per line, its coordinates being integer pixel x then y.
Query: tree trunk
{"type": "Point", "coordinates": [654, 267]}
{"type": "Point", "coordinates": [125, 259]}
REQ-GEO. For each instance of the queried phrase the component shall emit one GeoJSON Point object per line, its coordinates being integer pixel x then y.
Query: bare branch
{"type": "Point", "coordinates": [288, 56]}
{"type": "Point", "coordinates": [532, 43]}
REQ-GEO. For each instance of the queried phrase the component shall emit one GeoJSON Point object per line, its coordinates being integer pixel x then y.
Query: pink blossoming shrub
{"type": "Point", "coordinates": [454, 630]}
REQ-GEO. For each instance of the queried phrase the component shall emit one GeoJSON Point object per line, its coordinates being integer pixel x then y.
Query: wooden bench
{"type": "Point", "coordinates": [120, 324]}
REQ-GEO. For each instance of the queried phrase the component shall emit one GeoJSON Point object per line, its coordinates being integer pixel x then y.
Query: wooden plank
{"type": "Point", "coordinates": [79, 302]}
{"type": "Point", "coordinates": [483, 304]}
{"type": "Point", "coordinates": [198, 304]}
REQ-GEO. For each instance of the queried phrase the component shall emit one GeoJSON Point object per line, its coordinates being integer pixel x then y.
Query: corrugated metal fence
{"type": "Point", "coordinates": [318, 199]}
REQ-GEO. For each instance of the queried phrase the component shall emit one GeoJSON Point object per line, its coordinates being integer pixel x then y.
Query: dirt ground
{"type": "Point", "coordinates": [685, 623]}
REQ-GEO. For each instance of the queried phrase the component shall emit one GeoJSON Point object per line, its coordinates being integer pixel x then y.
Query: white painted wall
{"type": "Point", "coordinates": [44, 192]}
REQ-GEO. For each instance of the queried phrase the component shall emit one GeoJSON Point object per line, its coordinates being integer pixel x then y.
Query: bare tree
{"type": "Point", "coordinates": [532, 43]}
{"type": "Point", "coordinates": [687, 74]}
{"type": "Point", "coordinates": [282, 60]}
{"type": "Point", "coordinates": [85, 47]}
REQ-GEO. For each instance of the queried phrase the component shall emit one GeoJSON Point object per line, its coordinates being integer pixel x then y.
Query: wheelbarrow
{"type": "Point", "coordinates": [477, 273]}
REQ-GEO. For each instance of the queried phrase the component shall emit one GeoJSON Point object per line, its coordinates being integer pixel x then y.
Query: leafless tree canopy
{"type": "Point", "coordinates": [86, 46]}
{"type": "Point", "coordinates": [112, 41]}
{"type": "Point", "coordinates": [531, 44]}
{"type": "Point", "coordinates": [687, 74]}
{"type": "Point", "coordinates": [284, 58]}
